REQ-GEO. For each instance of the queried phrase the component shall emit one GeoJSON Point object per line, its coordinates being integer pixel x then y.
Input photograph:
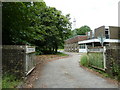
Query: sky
{"type": "Point", "coordinates": [94, 13]}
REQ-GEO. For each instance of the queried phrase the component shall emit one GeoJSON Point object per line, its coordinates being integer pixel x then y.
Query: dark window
{"type": "Point", "coordinates": [106, 32]}
{"type": "Point", "coordinates": [107, 36]}
{"type": "Point", "coordinates": [82, 46]}
{"type": "Point", "coordinates": [106, 29]}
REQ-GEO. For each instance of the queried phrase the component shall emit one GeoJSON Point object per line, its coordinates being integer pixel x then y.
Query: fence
{"type": "Point", "coordinates": [95, 50]}
{"type": "Point", "coordinates": [96, 57]}
{"type": "Point", "coordinates": [107, 59]}
{"type": "Point", "coordinates": [17, 60]}
{"type": "Point", "coordinates": [96, 60]}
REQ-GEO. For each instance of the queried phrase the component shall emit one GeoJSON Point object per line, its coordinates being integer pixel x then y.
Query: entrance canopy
{"type": "Point", "coordinates": [88, 41]}
{"type": "Point", "coordinates": [97, 40]}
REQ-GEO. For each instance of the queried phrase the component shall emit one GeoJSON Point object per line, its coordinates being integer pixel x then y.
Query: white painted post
{"type": "Point", "coordinates": [86, 48]}
{"type": "Point", "coordinates": [93, 44]}
{"type": "Point", "coordinates": [104, 57]}
{"type": "Point", "coordinates": [29, 60]}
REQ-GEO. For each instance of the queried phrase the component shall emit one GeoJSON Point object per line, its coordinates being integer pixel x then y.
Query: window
{"type": "Point", "coordinates": [88, 33]}
{"type": "Point", "coordinates": [106, 32]}
{"type": "Point", "coordinates": [82, 46]}
{"type": "Point", "coordinates": [106, 29]}
{"type": "Point", "coordinates": [107, 36]}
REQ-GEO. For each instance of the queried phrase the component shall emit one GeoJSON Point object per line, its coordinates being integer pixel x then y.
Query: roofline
{"type": "Point", "coordinates": [97, 40]}
{"type": "Point", "coordinates": [88, 41]}
{"type": "Point", "coordinates": [100, 27]}
{"type": "Point", "coordinates": [107, 26]}
{"type": "Point", "coordinates": [114, 26]}
{"type": "Point", "coordinates": [74, 37]}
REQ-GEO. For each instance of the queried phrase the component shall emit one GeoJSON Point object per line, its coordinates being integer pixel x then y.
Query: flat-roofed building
{"type": "Point", "coordinates": [103, 36]}
{"type": "Point", "coordinates": [71, 45]}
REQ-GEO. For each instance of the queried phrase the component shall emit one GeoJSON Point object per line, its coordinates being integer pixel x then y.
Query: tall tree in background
{"type": "Point", "coordinates": [82, 30]}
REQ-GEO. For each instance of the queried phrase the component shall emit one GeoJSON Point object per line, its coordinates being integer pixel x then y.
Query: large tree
{"type": "Point", "coordinates": [82, 30]}
{"type": "Point", "coordinates": [34, 24]}
{"type": "Point", "coordinates": [20, 22]}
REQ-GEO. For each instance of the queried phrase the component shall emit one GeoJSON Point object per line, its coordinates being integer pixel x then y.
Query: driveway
{"type": "Point", "coordinates": [66, 73]}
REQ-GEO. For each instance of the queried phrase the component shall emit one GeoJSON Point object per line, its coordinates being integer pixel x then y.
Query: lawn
{"type": "Point", "coordinates": [61, 54]}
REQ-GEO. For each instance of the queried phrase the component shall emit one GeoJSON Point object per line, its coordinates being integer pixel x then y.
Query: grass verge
{"type": "Point", "coordinates": [61, 54]}
{"type": "Point", "coordinates": [100, 71]}
{"type": "Point", "coordinates": [89, 60]}
{"type": "Point", "coordinates": [84, 61]}
{"type": "Point", "coordinates": [94, 62]}
{"type": "Point", "coordinates": [9, 81]}
{"type": "Point", "coordinates": [60, 49]}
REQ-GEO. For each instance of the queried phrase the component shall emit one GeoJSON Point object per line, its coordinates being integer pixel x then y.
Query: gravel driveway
{"type": "Point", "coordinates": [66, 73]}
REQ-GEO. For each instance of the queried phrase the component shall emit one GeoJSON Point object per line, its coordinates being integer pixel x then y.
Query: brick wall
{"type": "Point", "coordinates": [13, 60]}
{"type": "Point", "coordinates": [71, 45]}
{"type": "Point", "coordinates": [113, 60]}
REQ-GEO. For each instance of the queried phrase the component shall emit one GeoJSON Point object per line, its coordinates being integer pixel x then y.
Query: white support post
{"type": "Point", "coordinates": [86, 48]}
{"type": "Point", "coordinates": [93, 44]}
{"type": "Point", "coordinates": [104, 57]}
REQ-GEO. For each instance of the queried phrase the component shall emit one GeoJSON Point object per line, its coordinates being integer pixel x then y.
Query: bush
{"type": "Point", "coordinates": [84, 61]}
{"type": "Point", "coordinates": [9, 81]}
{"type": "Point", "coordinates": [96, 59]}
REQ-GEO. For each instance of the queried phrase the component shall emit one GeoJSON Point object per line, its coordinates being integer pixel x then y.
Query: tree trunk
{"type": "Point", "coordinates": [56, 47]}
{"type": "Point", "coordinates": [53, 49]}
{"type": "Point", "coordinates": [50, 49]}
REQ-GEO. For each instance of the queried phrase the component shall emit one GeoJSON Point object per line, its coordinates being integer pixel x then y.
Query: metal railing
{"type": "Point", "coordinates": [95, 49]}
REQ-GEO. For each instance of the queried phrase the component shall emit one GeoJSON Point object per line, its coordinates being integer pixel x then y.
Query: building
{"type": "Point", "coordinates": [71, 45]}
{"type": "Point", "coordinates": [102, 36]}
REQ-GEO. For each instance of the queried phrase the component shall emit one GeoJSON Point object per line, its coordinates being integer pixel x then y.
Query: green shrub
{"type": "Point", "coordinates": [84, 61]}
{"type": "Point", "coordinates": [96, 59]}
{"type": "Point", "coordinates": [9, 81]}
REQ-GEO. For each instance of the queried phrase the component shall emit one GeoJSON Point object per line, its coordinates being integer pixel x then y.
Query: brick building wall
{"type": "Point", "coordinates": [71, 45]}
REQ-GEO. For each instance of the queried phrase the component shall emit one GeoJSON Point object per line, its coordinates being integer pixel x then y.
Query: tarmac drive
{"type": "Point", "coordinates": [66, 73]}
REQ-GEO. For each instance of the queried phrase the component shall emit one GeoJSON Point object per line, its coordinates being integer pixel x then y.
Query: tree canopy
{"type": "Point", "coordinates": [34, 24]}
{"type": "Point", "coordinates": [80, 31]}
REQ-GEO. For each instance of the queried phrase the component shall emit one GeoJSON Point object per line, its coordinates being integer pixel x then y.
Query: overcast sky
{"type": "Point", "coordinates": [93, 13]}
